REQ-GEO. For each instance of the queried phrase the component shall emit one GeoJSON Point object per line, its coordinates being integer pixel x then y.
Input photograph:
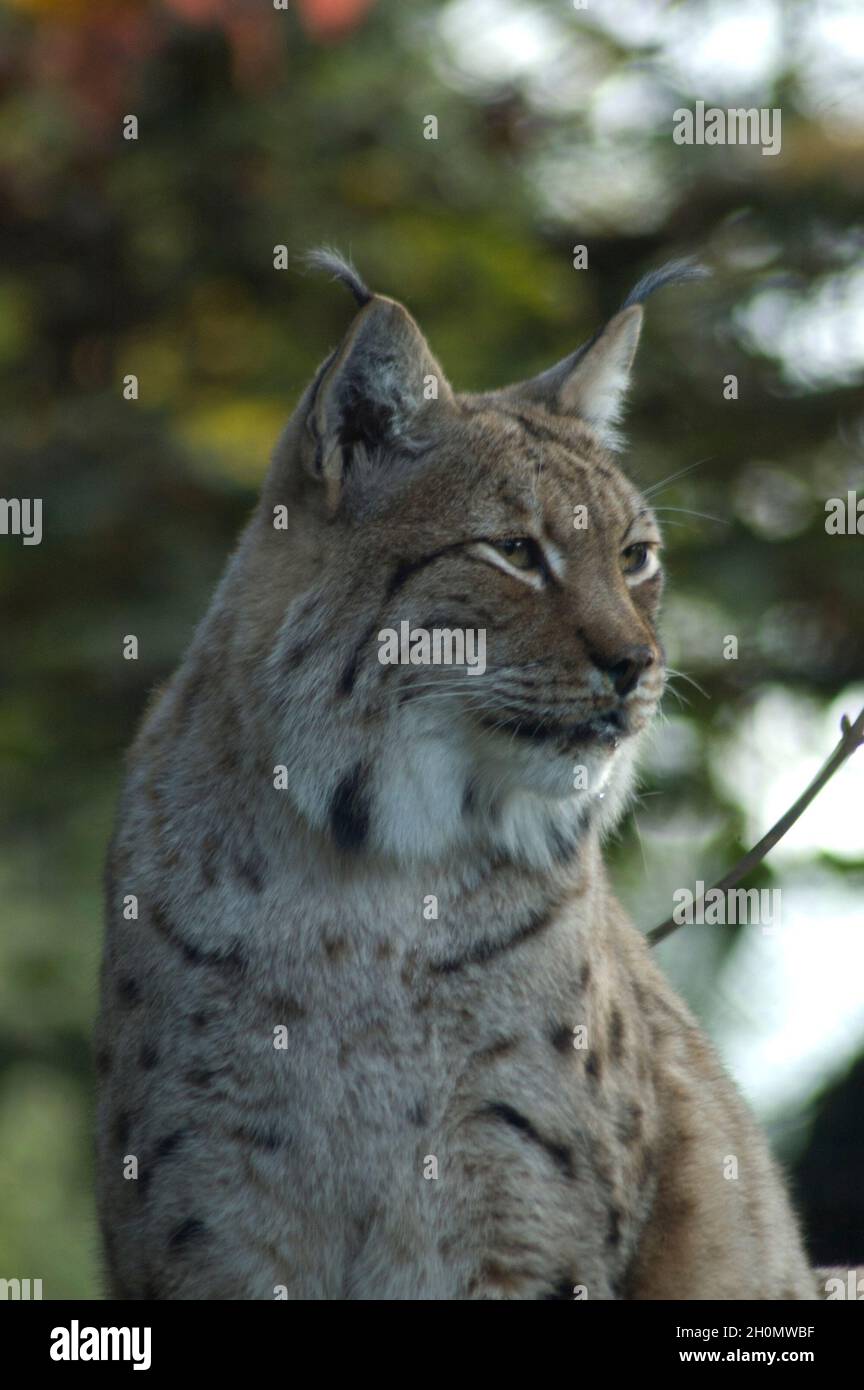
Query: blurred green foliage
{"type": "Point", "coordinates": [154, 256]}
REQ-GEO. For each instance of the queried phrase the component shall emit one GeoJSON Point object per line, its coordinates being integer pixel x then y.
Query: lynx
{"type": "Point", "coordinates": [373, 1025]}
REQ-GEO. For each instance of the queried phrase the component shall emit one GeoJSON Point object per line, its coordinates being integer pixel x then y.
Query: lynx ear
{"type": "Point", "coordinates": [375, 397]}
{"type": "Point", "coordinates": [592, 382]}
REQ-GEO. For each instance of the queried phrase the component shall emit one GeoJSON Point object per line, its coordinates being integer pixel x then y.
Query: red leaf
{"type": "Point", "coordinates": [330, 19]}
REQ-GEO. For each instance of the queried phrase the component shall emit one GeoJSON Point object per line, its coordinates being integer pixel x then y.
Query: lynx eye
{"type": "Point", "coordinates": [522, 554]}
{"type": "Point", "coordinates": [639, 559]}
{"type": "Point", "coordinates": [635, 558]}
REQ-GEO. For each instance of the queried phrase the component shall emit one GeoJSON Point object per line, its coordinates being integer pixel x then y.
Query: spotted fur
{"type": "Point", "coordinates": [326, 1088]}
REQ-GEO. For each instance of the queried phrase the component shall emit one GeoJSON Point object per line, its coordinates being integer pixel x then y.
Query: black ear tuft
{"type": "Point", "coordinates": [327, 259]}
{"type": "Point", "coordinates": [672, 273]}
{"type": "Point", "coordinates": [591, 383]}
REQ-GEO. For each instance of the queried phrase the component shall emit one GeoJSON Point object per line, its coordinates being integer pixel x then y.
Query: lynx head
{"type": "Point", "coordinates": [502, 520]}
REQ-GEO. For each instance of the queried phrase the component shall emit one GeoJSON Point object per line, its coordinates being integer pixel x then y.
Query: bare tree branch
{"type": "Point", "coordinates": [852, 737]}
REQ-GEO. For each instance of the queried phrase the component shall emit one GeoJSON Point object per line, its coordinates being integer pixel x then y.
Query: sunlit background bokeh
{"type": "Point", "coordinates": [261, 127]}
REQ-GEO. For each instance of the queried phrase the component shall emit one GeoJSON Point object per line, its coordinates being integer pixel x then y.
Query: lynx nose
{"type": "Point", "coordinates": [628, 666]}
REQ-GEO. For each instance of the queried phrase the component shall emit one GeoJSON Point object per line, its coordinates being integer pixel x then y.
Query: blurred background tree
{"type": "Point", "coordinates": [261, 126]}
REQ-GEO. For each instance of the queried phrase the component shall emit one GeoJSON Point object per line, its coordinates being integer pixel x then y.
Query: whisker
{"type": "Point", "coordinates": [641, 844]}
{"type": "Point", "coordinates": [690, 681]}
{"type": "Point", "coordinates": [664, 482]}
{"type": "Point", "coordinates": [688, 511]}
{"type": "Point", "coordinates": [682, 699]}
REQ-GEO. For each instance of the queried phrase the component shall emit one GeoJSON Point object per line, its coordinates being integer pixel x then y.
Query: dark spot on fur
{"type": "Point", "coordinates": [613, 1234]}
{"type": "Point", "coordinates": [102, 1061]}
{"type": "Point", "coordinates": [129, 991]}
{"type": "Point", "coordinates": [561, 1290]}
{"type": "Point", "coordinates": [419, 1114]}
{"type": "Point", "coordinates": [562, 1039]}
{"type": "Point", "coordinates": [405, 568]}
{"type": "Point", "coordinates": [264, 1137]}
{"type": "Point", "coordinates": [443, 619]}
{"type": "Point", "coordinates": [534, 428]}
{"type": "Point", "coordinates": [210, 850]}
{"type": "Point", "coordinates": [148, 1056]}
{"type": "Point", "coordinates": [231, 959]}
{"type": "Point", "coordinates": [383, 950]}
{"type": "Point", "coordinates": [604, 472]}
{"type": "Point", "coordinates": [403, 572]}
{"type": "Point", "coordinates": [348, 677]}
{"type": "Point", "coordinates": [542, 730]}
{"type": "Point", "coordinates": [559, 1153]}
{"type": "Point", "coordinates": [285, 1008]}
{"type": "Point", "coordinates": [501, 1047]}
{"type": "Point", "coordinates": [594, 1065]}
{"type": "Point", "coordinates": [585, 976]}
{"type": "Point", "coordinates": [629, 1125]}
{"type": "Point", "coordinates": [120, 1128]}
{"type": "Point", "coordinates": [189, 1232]}
{"type": "Point", "coordinates": [168, 1145]}
{"type": "Point", "coordinates": [250, 870]}
{"type": "Point", "coordinates": [297, 654]}
{"type": "Point", "coordinates": [165, 1147]}
{"type": "Point", "coordinates": [229, 759]}
{"type": "Point", "coordinates": [349, 811]}
{"type": "Point", "coordinates": [200, 1077]}
{"type": "Point", "coordinates": [616, 1036]}
{"type": "Point", "coordinates": [487, 950]}
{"type": "Point", "coordinates": [507, 1280]}
{"type": "Point", "coordinates": [335, 947]}
{"type": "Point", "coordinates": [562, 843]}
{"type": "Point", "coordinates": [199, 1019]}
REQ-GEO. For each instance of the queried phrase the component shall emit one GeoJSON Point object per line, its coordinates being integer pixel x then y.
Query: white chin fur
{"type": "Point", "coordinates": [522, 800]}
